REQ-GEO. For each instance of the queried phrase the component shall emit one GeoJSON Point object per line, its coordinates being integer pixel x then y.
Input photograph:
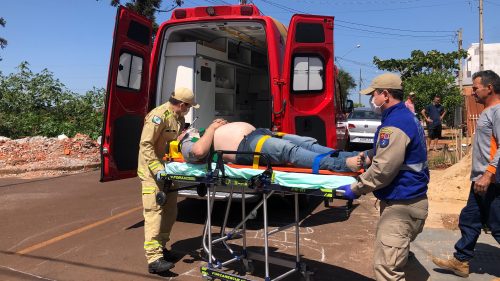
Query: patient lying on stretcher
{"type": "Point", "coordinates": [283, 149]}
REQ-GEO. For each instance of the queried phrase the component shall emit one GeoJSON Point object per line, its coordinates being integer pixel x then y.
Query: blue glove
{"type": "Point", "coordinates": [161, 175]}
{"type": "Point", "coordinates": [348, 192]}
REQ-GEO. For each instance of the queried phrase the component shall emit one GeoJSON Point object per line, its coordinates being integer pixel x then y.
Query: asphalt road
{"type": "Point", "coordinates": [75, 228]}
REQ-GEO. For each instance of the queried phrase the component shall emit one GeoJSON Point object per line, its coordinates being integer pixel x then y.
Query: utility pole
{"type": "Point", "coordinates": [359, 92]}
{"type": "Point", "coordinates": [460, 86]}
{"type": "Point", "coordinates": [460, 75]}
{"type": "Point", "coordinates": [481, 37]}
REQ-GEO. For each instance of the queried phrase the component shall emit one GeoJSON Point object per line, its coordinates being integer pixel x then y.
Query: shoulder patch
{"type": "Point", "coordinates": [384, 137]}
{"type": "Point", "coordinates": [156, 120]}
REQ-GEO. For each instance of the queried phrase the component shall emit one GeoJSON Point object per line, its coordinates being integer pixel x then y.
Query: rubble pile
{"type": "Point", "coordinates": [41, 156]}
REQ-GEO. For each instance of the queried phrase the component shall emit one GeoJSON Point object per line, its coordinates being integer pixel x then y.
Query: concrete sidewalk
{"type": "Point", "coordinates": [439, 242]}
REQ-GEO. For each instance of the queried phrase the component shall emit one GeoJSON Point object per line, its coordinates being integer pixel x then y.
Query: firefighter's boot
{"type": "Point", "coordinates": [160, 266]}
{"type": "Point", "coordinates": [460, 268]}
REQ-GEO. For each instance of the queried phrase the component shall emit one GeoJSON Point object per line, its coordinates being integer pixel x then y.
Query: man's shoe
{"type": "Point", "coordinates": [460, 268]}
{"type": "Point", "coordinates": [160, 266]}
{"type": "Point", "coordinates": [169, 255]}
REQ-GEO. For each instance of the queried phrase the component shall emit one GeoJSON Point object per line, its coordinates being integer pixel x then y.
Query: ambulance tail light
{"type": "Point", "coordinates": [210, 11]}
{"type": "Point", "coordinates": [246, 10]}
{"type": "Point", "coordinates": [180, 13]}
{"type": "Point", "coordinates": [351, 126]}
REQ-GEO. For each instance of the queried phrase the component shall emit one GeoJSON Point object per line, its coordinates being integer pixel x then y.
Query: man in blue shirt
{"type": "Point", "coordinates": [433, 115]}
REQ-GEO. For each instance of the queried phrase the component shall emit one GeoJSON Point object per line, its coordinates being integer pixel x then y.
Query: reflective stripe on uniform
{"type": "Point", "coordinates": [167, 114]}
{"type": "Point", "coordinates": [148, 189]}
{"type": "Point", "coordinates": [140, 173]}
{"type": "Point", "coordinates": [417, 167]}
{"type": "Point", "coordinates": [258, 148]}
{"type": "Point", "coordinates": [151, 245]}
{"type": "Point", "coordinates": [153, 165]}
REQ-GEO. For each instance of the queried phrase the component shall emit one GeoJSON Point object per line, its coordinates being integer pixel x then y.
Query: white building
{"type": "Point", "coordinates": [491, 60]}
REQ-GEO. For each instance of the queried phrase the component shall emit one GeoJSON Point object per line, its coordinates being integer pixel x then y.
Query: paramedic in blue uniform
{"type": "Point", "coordinates": [483, 204]}
{"type": "Point", "coordinates": [398, 177]}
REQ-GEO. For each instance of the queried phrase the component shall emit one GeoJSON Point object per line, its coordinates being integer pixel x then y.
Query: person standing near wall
{"type": "Point", "coordinates": [398, 177]}
{"type": "Point", "coordinates": [433, 114]}
{"type": "Point", "coordinates": [162, 125]}
{"type": "Point", "coordinates": [410, 102]}
{"type": "Point", "coordinates": [483, 204]}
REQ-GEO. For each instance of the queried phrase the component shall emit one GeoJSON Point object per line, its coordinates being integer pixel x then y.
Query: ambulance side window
{"type": "Point", "coordinates": [129, 71]}
{"type": "Point", "coordinates": [308, 74]}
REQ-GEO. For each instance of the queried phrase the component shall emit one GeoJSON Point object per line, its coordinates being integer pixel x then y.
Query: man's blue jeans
{"type": "Point", "coordinates": [479, 210]}
{"type": "Point", "coordinates": [297, 150]}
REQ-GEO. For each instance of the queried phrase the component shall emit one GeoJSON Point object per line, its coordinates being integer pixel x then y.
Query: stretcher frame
{"type": "Point", "coordinates": [207, 185]}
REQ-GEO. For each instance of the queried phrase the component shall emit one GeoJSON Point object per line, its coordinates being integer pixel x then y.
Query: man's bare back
{"type": "Point", "coordinates": [229, 136]}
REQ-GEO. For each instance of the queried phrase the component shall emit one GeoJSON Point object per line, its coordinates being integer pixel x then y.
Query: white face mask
{"type": "Point", "coordinates": [376, 108]}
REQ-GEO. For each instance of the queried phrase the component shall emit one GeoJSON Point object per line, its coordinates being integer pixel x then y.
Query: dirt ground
{"type": "Point", "coordinates": [37, 157]}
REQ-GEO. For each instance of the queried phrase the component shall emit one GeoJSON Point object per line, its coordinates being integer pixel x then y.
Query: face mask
{"type": "Point", "coordinates": [376, 108]}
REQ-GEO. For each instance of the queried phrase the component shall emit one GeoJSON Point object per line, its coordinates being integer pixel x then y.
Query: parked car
{"type": "Point", "coordinates": [362, 124]}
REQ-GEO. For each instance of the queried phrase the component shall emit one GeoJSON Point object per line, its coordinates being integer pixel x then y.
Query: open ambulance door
{"type": "Point", "coordinates": [127, 96]}
{"type": "Point", "coordinates": [308, 79]}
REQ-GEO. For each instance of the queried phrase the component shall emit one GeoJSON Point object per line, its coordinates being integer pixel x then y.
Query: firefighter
{"type": "Point", "coordinates": [398, 177]}
{"type": "Point", "coordinates": [162, 125]}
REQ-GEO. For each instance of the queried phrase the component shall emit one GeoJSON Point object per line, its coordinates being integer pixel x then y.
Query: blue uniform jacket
{"type": "Point", "coordinates": [412, 179]}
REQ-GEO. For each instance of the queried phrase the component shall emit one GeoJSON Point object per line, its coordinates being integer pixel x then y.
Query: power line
{"type": "Point", "coordinates": [292, 10]}
{"type": "Point", "coordinates": [397, 29]}
{"type": "Point", "coordinates": [394, 34]}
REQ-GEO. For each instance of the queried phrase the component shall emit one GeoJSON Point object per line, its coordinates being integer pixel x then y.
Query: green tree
{"type": "Point", "coordinates": [3, 41]}
{"type": "Point", "coordinates": [427, 75]}
{"type": "Point", "coordinates": [147, 8]}
{"type": "Point", "coordinates": [38, 104]}
{"type": "Point", "coordinates": [346, 82]}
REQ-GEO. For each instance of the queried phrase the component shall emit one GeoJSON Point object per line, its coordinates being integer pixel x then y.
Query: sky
{"type": "Point", "coordinates": [73, 38]}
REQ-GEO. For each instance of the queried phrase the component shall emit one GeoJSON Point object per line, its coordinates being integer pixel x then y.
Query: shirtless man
{"type": "Point", "coordinates": [243, 137]}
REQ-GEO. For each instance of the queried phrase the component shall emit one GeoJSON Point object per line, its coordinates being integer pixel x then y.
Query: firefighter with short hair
{"type": "Point", "coordinates": [162, 125]}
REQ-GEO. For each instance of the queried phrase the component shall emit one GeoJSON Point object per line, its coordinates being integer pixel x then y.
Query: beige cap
{"type": "Point", "coordinates": [185, 95]}
{"type": "Point", "coordinates": [411, 94]}
{"type": "Point", "coordinates": [384, 81]}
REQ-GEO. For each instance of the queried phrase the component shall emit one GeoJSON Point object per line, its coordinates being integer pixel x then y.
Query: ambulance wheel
{"type": "Point", "coordinates": [249, 266]}
{"type": "Point", "coordinates": [201, 189]}
{"type": "Point", "coordinates": [308, 276]}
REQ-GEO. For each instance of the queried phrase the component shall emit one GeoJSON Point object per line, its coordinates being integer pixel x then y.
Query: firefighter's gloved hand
{"type": "Point", "coordinates": [161, 175]}
{"type": "Point", "coordinates": [347, 192]}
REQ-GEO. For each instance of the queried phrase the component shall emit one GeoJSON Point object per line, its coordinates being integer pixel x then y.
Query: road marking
{"type": "Point", "coordinates": [27, 273]}
{"type": "Point", "coordinates": [75, 232]}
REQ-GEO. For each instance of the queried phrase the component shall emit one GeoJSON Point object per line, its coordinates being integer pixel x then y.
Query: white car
{"type": "Point", "coordinates": [362, 124]}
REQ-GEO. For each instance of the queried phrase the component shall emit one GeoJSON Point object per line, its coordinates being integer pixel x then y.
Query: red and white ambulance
{"type": "Point", "coordinates": [241, 65]}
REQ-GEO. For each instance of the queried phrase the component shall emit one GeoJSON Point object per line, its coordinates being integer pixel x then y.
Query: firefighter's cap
{"type": "Point", "coordinates": [384, 81]}
{"type": "Point", "coordinates": [185, 95]}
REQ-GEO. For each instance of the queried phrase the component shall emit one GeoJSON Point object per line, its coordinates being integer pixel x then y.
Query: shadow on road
{"type": "Point", "coordinates": [322, 271]}
{"type": "Point", "coordinates": [85, 265]}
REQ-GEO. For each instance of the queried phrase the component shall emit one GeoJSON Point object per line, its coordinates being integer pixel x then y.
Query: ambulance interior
{"type": "Point", "coordinates": [226, 66]}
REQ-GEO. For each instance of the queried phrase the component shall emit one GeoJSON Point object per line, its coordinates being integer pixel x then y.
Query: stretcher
{"type": "Point", "coordinates": [206, 178]}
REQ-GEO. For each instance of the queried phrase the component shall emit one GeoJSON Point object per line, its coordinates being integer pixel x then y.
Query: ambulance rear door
{"type": "Point", "coordinates": [127, 97]}
{"type": "Point", "coordinates": [308, 79]}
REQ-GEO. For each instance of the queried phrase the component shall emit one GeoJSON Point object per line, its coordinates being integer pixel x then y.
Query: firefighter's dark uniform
{"type": "Point", "coordinates": [398, 177]}
{"type": "Point", "coordinates": [161, 125]}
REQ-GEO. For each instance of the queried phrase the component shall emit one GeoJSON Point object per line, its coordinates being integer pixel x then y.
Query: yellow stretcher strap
{"type": "Point", "coordinates": [258, 148]}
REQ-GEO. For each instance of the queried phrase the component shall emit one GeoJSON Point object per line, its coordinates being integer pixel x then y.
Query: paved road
{"type": "Point", "coordinates": [75, 228]}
